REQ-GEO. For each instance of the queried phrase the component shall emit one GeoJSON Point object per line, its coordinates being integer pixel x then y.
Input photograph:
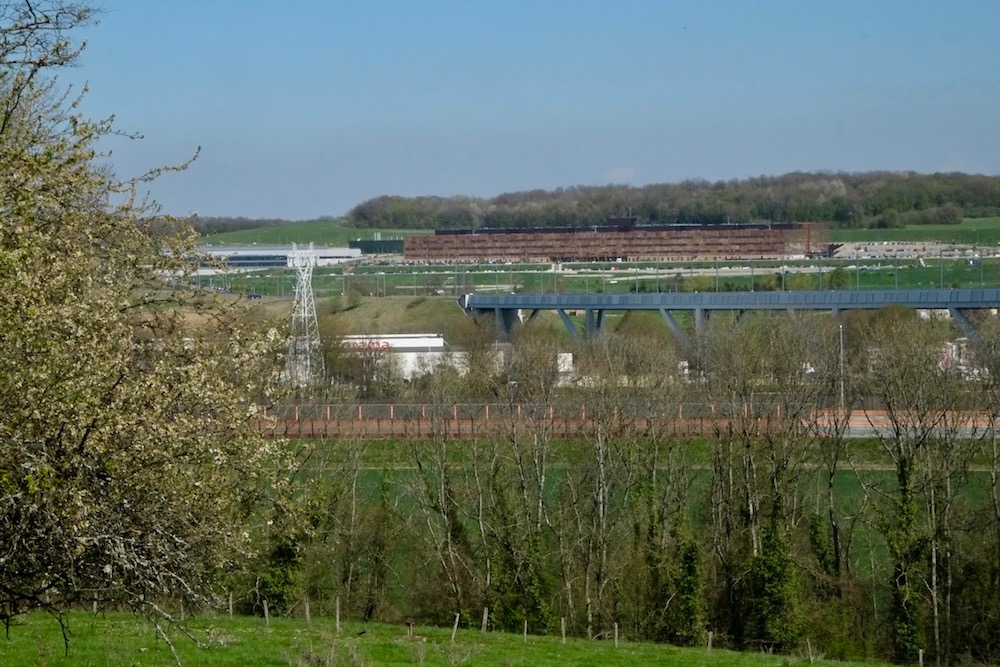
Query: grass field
{"type": "Point", "coordinates": [452, 282]}
{"type": "Point", "coordinates": [975, 231]}
{"type": "Point", "coordinates": [120, 639]}
{"type": "Point", "coordinates": [616, 278]}
{"type": "Point", "coordinates": [320, 232]}
{"type": "Point", "coordinates": [397, 315]}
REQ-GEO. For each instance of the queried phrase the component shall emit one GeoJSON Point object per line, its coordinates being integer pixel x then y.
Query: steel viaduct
{"type": "Point", "coordinates": [507, 309]}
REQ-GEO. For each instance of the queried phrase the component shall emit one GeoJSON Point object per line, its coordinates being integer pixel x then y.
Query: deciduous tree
{"type": "Point", "coordinates": [128, 458]}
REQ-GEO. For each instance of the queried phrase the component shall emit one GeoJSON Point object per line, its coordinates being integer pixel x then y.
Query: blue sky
{"type": "Point", "coordinates": [306, 108]}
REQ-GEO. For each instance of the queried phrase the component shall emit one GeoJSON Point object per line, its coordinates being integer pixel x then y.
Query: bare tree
{"type": "Point", "coordinates": [512, 468]}
{"type": "Point", "coordinates": [622, 379]}
{"type": "Point", "coordinates": [927, 439]}
{"type": "Point", "coordinates": [763, 391]}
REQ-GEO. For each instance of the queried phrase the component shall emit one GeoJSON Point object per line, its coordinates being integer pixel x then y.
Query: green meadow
{"type": "Point", "coordinates": [115, 639]}
{"type": "Point", "coordinates": [320, 232]}
{"type": "Point", "coordinates": [974, 231]}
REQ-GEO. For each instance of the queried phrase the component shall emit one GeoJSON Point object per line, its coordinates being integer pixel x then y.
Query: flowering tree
{"type": "Point", "coordinates": [128, 460]}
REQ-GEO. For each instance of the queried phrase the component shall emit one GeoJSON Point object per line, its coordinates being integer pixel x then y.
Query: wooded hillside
{"type": "Point", "coordinates": [872, 199]}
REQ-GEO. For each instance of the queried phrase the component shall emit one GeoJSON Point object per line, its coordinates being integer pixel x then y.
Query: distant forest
{"type": "Point", "coordinates": [871, 199]}
{"type": "Point", "coordinates": [219, 224]}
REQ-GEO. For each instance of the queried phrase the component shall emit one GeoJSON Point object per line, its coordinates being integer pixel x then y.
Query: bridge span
{"type": "Point", "coordinates": [507, 308]}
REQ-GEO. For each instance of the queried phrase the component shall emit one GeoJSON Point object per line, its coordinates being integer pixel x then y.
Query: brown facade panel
{"type": "Point", "coordinates": [639, 243]}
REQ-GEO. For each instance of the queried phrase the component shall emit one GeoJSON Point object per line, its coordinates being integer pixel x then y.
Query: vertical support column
{"type": "Point", "coordinates": [700, 321]}
{"type": "Point", "coordinates": [506, 318]}
{"type": "Point", "coordinates": [593, 322]}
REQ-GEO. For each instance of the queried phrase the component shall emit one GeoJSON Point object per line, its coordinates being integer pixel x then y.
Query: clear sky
{"type": "Point", "coordinates": [305, 108]}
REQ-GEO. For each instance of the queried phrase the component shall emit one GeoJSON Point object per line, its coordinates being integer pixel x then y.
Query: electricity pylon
{"type": "Point", "coordinates": [305, 352]}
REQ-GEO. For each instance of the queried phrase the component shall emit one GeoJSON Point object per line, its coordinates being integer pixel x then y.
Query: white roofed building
{"type": "Point", "coordinates": [415, 354]}
{"type": "Point", "coordinates": [256, 258]}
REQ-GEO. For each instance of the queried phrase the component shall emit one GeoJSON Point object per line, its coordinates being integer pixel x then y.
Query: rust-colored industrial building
{"type": "Point", "coordinates": [619, 239]}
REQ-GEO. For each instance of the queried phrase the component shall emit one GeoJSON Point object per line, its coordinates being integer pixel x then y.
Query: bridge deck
{"type": "Point", "coordinates": [507, 306]}
{"type": "Point", "coordinates": [964, 298]}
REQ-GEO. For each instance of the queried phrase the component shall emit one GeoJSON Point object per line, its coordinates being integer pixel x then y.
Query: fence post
{"type": "Point", "coordinates": [454, 628]}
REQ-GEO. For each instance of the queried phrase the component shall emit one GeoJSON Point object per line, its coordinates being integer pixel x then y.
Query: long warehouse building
{"type": "Point", "coordinates": [619, 239]}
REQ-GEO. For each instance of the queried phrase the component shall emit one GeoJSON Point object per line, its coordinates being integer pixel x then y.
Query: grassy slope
{"type": "Point", "coordinates": [118, 639]}
{"type": "Point", "coordinates": [399, 314]}
{"type": "Point", "coordinates": [978, 231]}
{"type": "Point", "coordinates": [395, 314]}
{"type": "Point", "coordinates": [321, 232]}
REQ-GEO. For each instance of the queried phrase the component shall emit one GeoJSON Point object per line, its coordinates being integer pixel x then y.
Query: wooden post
{"type": "Point", "coordinates": [486, 618]}
{"type": "Point", "coordinates": [309, 620]}
{"type": "Point", "coordinates": [525, 631]}
{"type": "Point", "coordinates": [920, 657]}
{"type": "Point", "coordinates": [230, 604]}
{"type": "Point", "coordinates": [95, 602]}
{"type": "Point", "coordinates": [267, 615]}
{"type": "Point", "coordinates": [454, 628]}
{"type": "Point", "coordinates": [616, 634]}
{"type": "Point", "coordinates": [709, 641]}
{"type": "Point", "coordinates": [338, 614]}
{"type": "Point", "coordinates": [562, 624]}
